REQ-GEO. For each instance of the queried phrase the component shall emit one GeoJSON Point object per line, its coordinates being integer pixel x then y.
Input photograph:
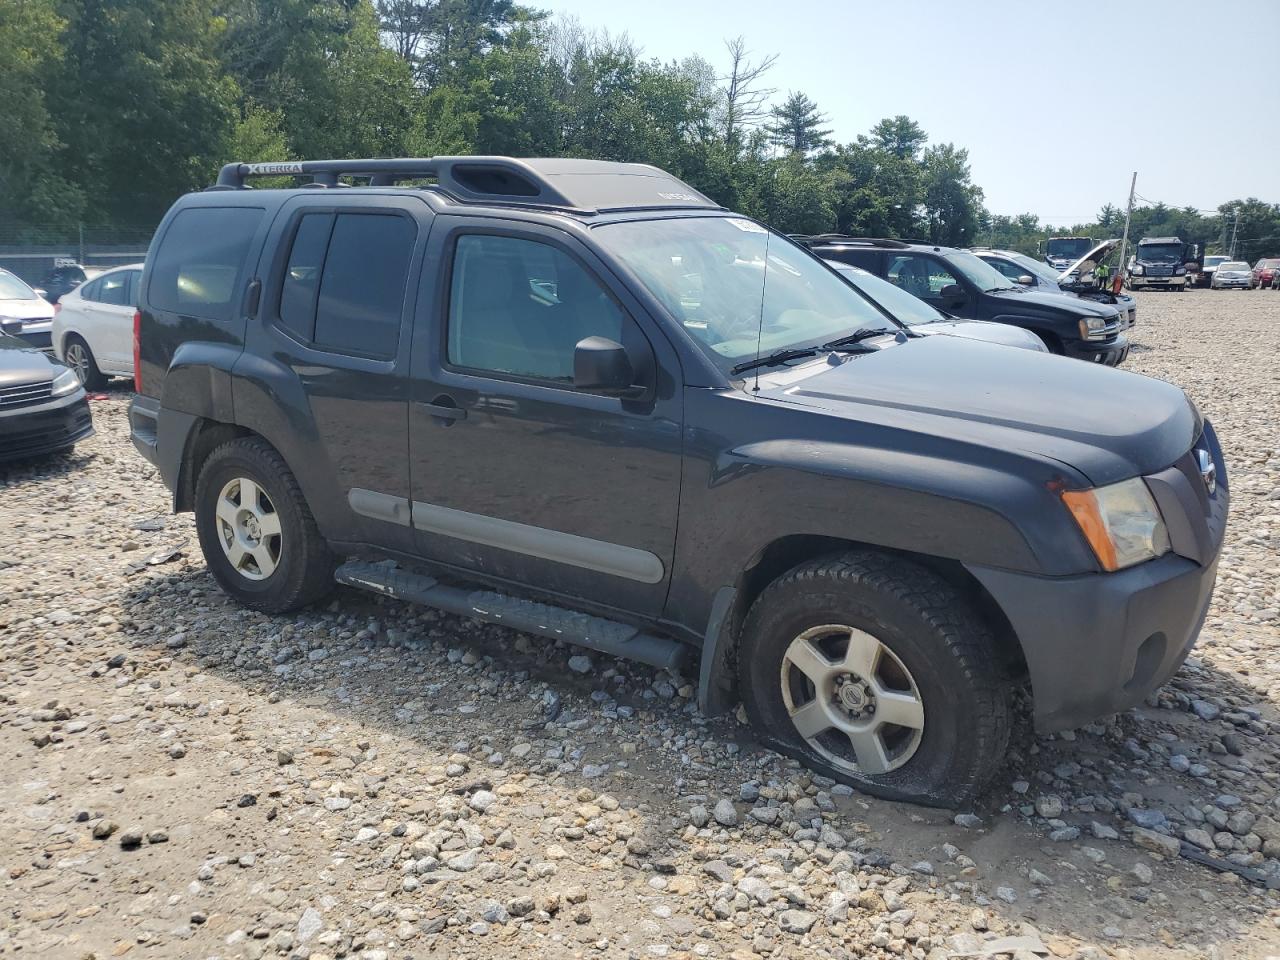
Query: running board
{"type": "Point", "coordinates": [528, 616]}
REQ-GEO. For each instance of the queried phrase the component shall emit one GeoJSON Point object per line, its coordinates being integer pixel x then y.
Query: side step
{"type": "Point", "coordinates": [597, 633]}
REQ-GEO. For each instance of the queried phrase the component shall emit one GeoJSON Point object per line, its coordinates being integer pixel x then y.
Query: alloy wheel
{"type": "Point", "coordinates": [248, 529]}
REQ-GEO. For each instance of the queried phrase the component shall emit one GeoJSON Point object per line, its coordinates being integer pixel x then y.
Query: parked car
{"type": "Point", "coordinates": [42, 405]}
{"type": "Point", "coordinates": [957, 282]}
{"type": "Point", "coordinates": [1233, 275]}
{"type": "Point", "coordinates": [63, 279]}
{"type": "Point", "coordinates": [23, 312]}
{"type": "Point", "coordinates": [921, 318]}
{"type": "Point", "coordinates": [1030, 272]}
{"type": "Point", "coordinates": [93, 331]}
{"type": "Point", "coordinates": [1211, 263]}
{"type": "Point", "coordinates": [1264, 271]}
{"type": "Point", "coordinates": [580, 399]}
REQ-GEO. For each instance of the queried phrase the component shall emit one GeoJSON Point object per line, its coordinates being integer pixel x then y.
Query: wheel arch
{"type": "Point", "coordinates": [204, 436]}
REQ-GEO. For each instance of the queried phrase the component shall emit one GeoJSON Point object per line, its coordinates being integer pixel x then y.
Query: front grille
{"type": "Point", "coordinates": [25, 394]}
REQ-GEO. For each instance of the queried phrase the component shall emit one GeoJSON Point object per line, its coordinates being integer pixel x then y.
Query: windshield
{"type": "Point", "coordinates": [709, 273]}
{"type": "Point", "coordinates": [11, 288]}
{"type": "Point", "coordinates": [1214, 261]}
{"type": "Point", "coordinates": [1068, 248]}
{"type": "Point", "coordinates": [978, 271]}
{"type": "Point", "coordinates": [909, 309]}
{"type": "Point", "coordinates": [1160, 252]}
{"type": "Point", "coordinates": [1232, 265]}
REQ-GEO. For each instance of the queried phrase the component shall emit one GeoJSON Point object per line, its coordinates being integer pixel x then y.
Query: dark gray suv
{"type": "Point", "coordinates": [582, 400]}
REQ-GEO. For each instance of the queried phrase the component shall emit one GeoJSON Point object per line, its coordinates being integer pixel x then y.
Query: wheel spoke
{"type": "Point", "coordinates": [902, 709]}
{"type": "Point", "coordinates": [262, 556]}
{"type": "Point", "coordinates": [811, 719]}
{"type": "Point", "coordinates": [269, 524]}
{"type": "Point", "coordinates": [226, 511]}
{"type": "Point", "coordinates": [863, 654]}
{"type": "Point", "coordinates": [235, 553]}
{"type": "Point", "coordinates": [249, 495]}
{"type": "Point", "coordinates": [869, 750]}
{"type": "Point", "coordinates": [806, 658]}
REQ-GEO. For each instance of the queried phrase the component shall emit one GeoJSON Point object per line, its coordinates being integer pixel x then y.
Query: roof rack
{"type": "Point", "coordinates": [584, 186]}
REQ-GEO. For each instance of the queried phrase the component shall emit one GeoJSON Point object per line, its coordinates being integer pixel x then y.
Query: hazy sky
{"type": "Point", "coordinates": [1057, 103]}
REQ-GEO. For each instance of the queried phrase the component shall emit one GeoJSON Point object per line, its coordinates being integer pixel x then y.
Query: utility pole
{"type": "Point", "coordinates": [1128, 215]}
{"type": "Point", "coordinates": [1235, 230]}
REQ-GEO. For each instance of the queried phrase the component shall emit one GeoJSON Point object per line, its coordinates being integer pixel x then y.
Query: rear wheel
{"type": "Point", "coordinates": [80, 359]}
{"type": "Point", "coordinates": [874, 671]}
{"type": "Point", "coordinates": [257, 533]}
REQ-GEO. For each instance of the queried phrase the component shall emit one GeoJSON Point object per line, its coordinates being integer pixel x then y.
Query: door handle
{"type": "Point", "coordinates": [443, 410]}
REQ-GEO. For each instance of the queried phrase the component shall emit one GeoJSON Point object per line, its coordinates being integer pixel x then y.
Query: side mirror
{"type": "Point", "coordinates": [952, 293]}
{"type": "Point", "coordinates": [603, 366]}
{"type": "Point", "coordinates": [1027, 280]}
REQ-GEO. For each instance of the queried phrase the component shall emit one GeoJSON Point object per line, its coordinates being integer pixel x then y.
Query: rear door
{"type": "Point", "coordinates": [326, 365]}
{"type": "Point", "coordinates": [112, 340]}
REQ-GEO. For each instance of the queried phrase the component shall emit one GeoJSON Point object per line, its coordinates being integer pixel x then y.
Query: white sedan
{"type": "Point", "coordinates": [23, 312]}
{"type": "Point", "coordinates": [93, 329]}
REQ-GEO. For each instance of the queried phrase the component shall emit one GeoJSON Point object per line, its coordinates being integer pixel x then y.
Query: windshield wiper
{"type": "Point", "coordinates": [775, 358]}
{"type": "Point", "coordinates": [864, 333]}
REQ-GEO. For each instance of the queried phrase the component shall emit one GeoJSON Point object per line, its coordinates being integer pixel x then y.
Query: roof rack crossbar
{"type": "Point", "coordinates": [467, 178]}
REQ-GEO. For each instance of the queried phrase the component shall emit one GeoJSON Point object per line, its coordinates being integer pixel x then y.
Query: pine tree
{"type": "Point", "coordinates": [797, 125]}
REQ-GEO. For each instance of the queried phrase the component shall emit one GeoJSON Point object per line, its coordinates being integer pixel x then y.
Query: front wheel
{"type": "Point", "coordinates": [874, 671]}
{"type": "Point", "coordinates": [257, 533]}
{"type": "Point", "coordinates": [80, 359]}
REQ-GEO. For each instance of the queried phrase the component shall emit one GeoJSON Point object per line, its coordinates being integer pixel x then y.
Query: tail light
{"type": "Point", "coordinates": [137, 351]}
{"type": "Point", "coordinates": [57, 307]}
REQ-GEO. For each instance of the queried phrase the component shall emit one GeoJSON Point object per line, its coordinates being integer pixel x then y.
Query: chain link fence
{"type": "Point", "coordinates": [33, 253]}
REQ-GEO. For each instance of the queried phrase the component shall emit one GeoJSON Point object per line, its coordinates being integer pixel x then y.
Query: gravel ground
{"type": "Point", "coordinates": [185, 778]}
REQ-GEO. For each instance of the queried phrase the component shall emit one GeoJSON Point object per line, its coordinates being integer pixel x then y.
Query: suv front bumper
{"type": "Point", "coordinates": [1096, 644]}
{"type": "Point", "coordinates": [1112, 352]}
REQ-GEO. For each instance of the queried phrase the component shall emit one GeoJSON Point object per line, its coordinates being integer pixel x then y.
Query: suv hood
{"type": "Point", "coordinates": [1096, 254]}
{"type": "Point", "coordinates": [1107, 424]}
{"type": "Point", "coordinates": [1056, 302]}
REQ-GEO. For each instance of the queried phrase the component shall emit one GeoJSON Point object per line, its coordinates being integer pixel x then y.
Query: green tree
{"type": "Point", "coordinates": [141, 102]}
{"type": "Point", "coordinates": [900, 136]}
{"type": "Point", "coordinates": [951, 201]}
{"type": "Point", "coordinates": [797, 125]}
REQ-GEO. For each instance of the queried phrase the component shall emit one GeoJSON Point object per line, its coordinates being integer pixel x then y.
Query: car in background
{"type": "Point", "coordinates": [1232, 275]}
{"type": "Point", "coordinates": [958, 283]}
{"type": "Point", "coordinates": [1211, 263]}
{"type": "Point", "coordinates": [1264, 272]}
{"type": "Point", "coordinates": [43, 408]}
{"type": "Point", "coordinates": [62, 279]}
{"type": "Point", "coordinates": [23, 312]}
{"type": "Point", "coordinates": [923, 319]}
{"type": "Point", "coordinates": [1030, 272]}
{"type": "Point", "coordinates": [93, 331]}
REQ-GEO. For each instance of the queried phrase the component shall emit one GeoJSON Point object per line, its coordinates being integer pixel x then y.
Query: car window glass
{"type": "Point", "coordinates": [520, 307]}
{"type": "Point", "coordinates": [11, 288]}
{"type": "Point", "coordinates": [919, 276]}
{"type": "Point", "coordinates": [200, 256]}
{"type": "Point", "coordinates": [362, 284]}
{"type": "Point", "coordinates": [135, 278]}
{"type": "Point", "coordinates": [1011, 270]}
{"type": "Point", "coordinates": [89, 291]}
{"type": "Point", "coordinates": [301, 283]}
{"type": "Point", "coordinates": [114, 289]}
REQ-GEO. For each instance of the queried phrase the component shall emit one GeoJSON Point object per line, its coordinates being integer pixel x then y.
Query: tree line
{"type": "Point", "coordinates": [109, 109]}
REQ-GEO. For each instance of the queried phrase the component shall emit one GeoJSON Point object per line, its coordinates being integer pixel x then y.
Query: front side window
{"type": "Point", "coordinates": [981, 274]}
{"type": "Point", "coordinates": [918, 275]}
{"type": "Point", "coordinates": [736, 288]}
{"type": "Point", "coordinates": [200, 256]}
{"type": "Point", "coordinates": [519, 307]}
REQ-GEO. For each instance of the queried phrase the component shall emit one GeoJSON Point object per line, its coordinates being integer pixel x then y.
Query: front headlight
{"type": "Point", "coordinates": [66, 382]}
{"type": "Point", "coordinates": [1138, 270]}
{"type": "Point", "coordinates": [1180, 271]}
{"type": "Point", "coordinates": [1093, 328]}
{"type": "Point", "coordinates": [1121, 522]}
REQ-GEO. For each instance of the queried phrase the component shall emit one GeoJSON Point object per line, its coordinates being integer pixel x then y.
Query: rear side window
{"type": "Point", "coordinates": [91, 290]}
{"type": "Point", "coordinates": [113, 289]}
{"type": "Point", "coordinates": [199, 259]}
{"type": "Point", "coordinates": [344, 284]}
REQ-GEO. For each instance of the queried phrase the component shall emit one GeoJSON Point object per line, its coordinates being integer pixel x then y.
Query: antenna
{"type": "Point", "coordinates": [764, 283]}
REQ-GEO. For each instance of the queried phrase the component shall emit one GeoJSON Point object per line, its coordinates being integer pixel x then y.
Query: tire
{"type": "Point", "coordinates": [80, 359]}
{"type": "Point", "coordinates": [931, 647]}
{"type": "Point", "coordinates": [290, 565]}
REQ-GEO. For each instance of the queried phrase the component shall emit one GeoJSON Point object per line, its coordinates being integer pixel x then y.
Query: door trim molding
{"type": "Point", "coordinates": [630, 563]}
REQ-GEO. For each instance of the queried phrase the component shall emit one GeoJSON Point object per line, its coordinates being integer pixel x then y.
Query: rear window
{"type": "Point", "coordinates": [202, 253]}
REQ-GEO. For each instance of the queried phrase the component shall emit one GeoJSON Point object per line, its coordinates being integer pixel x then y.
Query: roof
{"type": "Point", "coordinates": [581, 186]}
{"type": "Point", "coordinates": [883, 243]}
{"type": "Point", "coordinates": [1160, 240]}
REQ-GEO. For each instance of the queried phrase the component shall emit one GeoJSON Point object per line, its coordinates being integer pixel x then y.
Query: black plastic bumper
{"type": "Point", "coordinates": [45, 428]}
{"type": "Point", "coordinates": [1112, 353]}
{"type": "Point", "coordinates": [1098, 643]}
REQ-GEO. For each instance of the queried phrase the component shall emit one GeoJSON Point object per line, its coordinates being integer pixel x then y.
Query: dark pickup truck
{"type": "Point", "coordinates": [958, 283]}
{"type": "Point", "coordinates": [582, 400]}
